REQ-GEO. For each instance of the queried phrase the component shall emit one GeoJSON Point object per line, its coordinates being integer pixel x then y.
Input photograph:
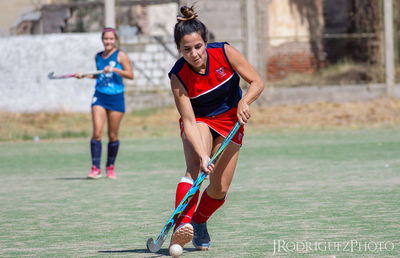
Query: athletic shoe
{"type": "Point", "coordinates": [182, 235]}
{"type": "Point", "coordinates": [201, 238]}
{"type": "Point", "coordinates": [110, 172]}
{"type": "Point", "coordinates": [95, 173]}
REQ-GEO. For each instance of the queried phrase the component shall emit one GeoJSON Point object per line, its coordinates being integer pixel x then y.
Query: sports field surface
{"type": "Point", "coordinates": [320, 193]}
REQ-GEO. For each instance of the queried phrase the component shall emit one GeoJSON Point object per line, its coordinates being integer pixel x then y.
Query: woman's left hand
{"type": "Point", "coordinates": [243, 112]}
{"type": "Point", "coordinates": [108, 69]}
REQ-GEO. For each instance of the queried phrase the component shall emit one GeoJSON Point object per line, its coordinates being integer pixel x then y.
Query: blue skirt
{"type": "Point", "coordinates": [115, 102]}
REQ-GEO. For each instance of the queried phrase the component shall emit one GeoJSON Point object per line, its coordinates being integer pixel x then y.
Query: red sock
{"type": "Point", "coordinates": [206, 208]}
{"type": "Point", "coordinates": [183, 187]}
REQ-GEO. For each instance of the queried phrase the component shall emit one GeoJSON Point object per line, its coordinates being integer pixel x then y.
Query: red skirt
{"type": "Point", "coordinates": [222, 124]}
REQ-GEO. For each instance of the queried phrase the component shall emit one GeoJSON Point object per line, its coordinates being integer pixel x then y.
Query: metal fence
{"type": "Point", "coordinates": [319, 43]}
{"type": "Point", "coordinates": [296, 43]}
{"type": "Point", "coordinates": [310, 43]}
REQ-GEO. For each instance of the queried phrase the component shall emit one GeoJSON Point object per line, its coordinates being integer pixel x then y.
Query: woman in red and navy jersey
{"type": "Point", "coordinates": [205, 85]}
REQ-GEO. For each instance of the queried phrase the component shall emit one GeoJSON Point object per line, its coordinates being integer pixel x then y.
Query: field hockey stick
{"type": "Point", "coordinates": [65, 76]}
{"type": "Point", "coordinates": [155, 246]}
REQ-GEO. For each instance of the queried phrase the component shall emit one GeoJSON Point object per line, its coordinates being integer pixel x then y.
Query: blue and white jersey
{"type": "Point", "coordinates": [109, 83]}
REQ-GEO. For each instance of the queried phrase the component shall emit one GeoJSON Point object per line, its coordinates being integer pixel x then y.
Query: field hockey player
{"type": "Point", "coordinates": [108, 101]}
{"type": "Point", "coordinates": [205, 86]}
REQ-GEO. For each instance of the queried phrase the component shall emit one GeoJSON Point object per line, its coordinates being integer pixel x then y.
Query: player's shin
{"type": "Point", "coordinates": [183, 187]}
{"type": "Point", "coordinates": [206, 208]}
{"type": "Point", "coordinates": [95, 149]}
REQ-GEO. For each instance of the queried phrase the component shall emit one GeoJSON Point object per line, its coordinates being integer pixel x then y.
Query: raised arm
{"type": "Point", "coordinates": [249, 74]}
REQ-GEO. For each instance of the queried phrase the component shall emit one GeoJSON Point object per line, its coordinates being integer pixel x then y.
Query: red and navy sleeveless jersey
{"type": "Point", "coordinates": [217, 90]}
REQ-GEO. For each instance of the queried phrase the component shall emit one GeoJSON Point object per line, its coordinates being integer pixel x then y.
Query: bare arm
{"type": "Point", "coordinates": [191, 131]}
{"type": "Point", "coordinates": [127, 70]}
{"type": "Point", "coordinates": [90, 76]}
{"type": "Point", "coordinates": [249, 74]}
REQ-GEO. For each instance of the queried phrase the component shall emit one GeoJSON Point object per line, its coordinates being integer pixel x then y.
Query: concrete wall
{"type": "Point", "coordinates": [28, 59]}
{"type": "Point", "coordinates": [223, 18]}
{"type": "Point", "coordinates": [152, 58]}
{"type": "Point", "coordinates": [285, 23]}
{"type": "Point", "coordinates": [10, 12]}
{"type": "Point", "coordinates": [288, 47]}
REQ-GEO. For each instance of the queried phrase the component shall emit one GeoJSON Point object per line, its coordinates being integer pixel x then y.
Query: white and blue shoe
{"type": "Point", "coordinates": [201, 238]}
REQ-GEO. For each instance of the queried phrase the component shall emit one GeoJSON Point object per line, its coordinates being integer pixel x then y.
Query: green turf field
{"type": "Point", "coordinates": [298, 194]}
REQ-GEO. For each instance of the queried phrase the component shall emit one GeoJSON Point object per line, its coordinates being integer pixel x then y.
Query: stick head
{"type": "Point", "coordinates": [154, 248]}
{"type": "Point", "coordinates": [64, 76]}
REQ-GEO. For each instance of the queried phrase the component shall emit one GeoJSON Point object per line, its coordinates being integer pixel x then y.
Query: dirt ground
{"type": "Point", "coordinates": [373, 113]}
{"type": "Point", "coordinates": [380, 112]}
{"type": "Point", "coordinates": [163, 122]}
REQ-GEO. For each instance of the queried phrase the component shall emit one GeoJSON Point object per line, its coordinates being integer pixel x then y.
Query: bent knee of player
{"type": "Point", "coordinates": [217, 191]}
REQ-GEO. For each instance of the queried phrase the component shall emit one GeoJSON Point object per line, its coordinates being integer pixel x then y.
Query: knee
{"type": "Point", "coordinates": [97, 133]}
{"type": "Point", "coordinates": [113, 136]}
{"type": "Point", "coordinates": [96, 136]}
{"type": "Point", "coordinates": [217, 191]}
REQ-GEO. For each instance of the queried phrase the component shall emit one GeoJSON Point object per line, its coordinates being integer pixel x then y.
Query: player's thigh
{"type": "Point", "coordinates": [191, 158]}
{"type": "Point", "coordinates": [114, 121]}
{"type": "Point", "coordinates": [98, 118]}
{"type": "Point", "coordinates": [224, 170]}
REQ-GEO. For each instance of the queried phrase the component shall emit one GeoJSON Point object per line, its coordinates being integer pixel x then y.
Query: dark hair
{"type": "Point", "coordinates": [187, 24]}
{"type": "Point", "coordinates": [107, 29]}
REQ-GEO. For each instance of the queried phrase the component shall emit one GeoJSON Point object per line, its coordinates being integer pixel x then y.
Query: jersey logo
{"type": "Point", "coordinates": [221, 72]}
{"type": "Point", "coordinates": [240, 137]}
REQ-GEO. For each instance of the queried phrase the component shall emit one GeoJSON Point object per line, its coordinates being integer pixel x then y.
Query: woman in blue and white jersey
{"type": "Point", "coordinates": [108, 100]}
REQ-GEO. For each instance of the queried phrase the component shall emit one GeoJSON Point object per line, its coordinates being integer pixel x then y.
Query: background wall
{"type": "Point", "coordinates": [308, 45]}
{"type": "Point", "coordinates": [28, 60]}
{"type": "Point", "coordinates": [25, 65]}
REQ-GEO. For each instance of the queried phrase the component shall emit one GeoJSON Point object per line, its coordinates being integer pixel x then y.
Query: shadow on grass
{"type": "Point", "coordinates": [72, 178]}
{"type": "Point", "coordinates": [162, 252]}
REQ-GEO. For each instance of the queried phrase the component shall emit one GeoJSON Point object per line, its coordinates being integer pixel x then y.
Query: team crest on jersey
{"type": "Point", "coordinates": [221, 72]}
{"type": "Point", "coordinates": [240, 137]}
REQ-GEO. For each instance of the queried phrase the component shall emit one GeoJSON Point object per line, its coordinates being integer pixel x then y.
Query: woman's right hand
{"type": "Point", "coordinates": [204, 165]}
{"type": "Point", "coordinates": [79, 75]}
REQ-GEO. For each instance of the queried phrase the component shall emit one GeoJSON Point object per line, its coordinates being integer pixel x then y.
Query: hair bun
{"type": "Point", "coordinates": [187, 14]}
